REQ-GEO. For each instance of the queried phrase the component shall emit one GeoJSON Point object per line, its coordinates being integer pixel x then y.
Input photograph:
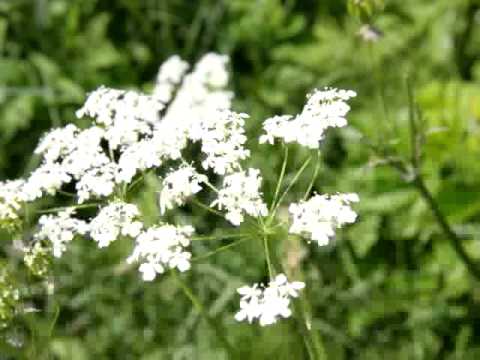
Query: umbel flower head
{"type": "Point", "coordinates": [162, 247]}
{"type": "Point", "coordinates": [318, 217]}
{"type": "Point", "coordinates": [132, 134]}
{"type": "Point", "coordinates": [269, 303]}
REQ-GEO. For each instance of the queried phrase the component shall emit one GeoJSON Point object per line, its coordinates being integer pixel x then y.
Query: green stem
{"type": "Point", "coordinates": [271, 271]}
{"type": "Point", "coordinates": [211, 186]}
{"type": "Point", "coordinates": [75, 207]}
{"type": "Point", "coordinates": [280, 179]}
{"type": "Point", "coordinates": [218, 237]}
{"type": "Point", "coordinates": [295, 179]}
{"type": "Point", "coordinates": [316, 345]}
{"type": "Point", "coordinates": [314, 177]}
{"type": "Point", "coordinates": [197, 304]}
{"type": "Point", "coordinates": [220, 249]}
{"type": "Point", "coordinates": [207, 208]}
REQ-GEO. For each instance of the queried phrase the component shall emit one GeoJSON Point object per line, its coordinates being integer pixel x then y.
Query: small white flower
{"type": "Point", "coordinates": [324, 108]}
{"type": "Point", "coordinates": [169, 76]}
{"type": "Point", "coordinates": [268, 304]}
{"type": "Point", "coordinates": [117, 218]}
{"type": "Point", "coordinates": [178, 185]}
{"type": "Point", "coordinates": [241, 195]}
{"type": "Point", "coordinates": [200, 96]}
{"type": "Point", "coordinates": [223, 138]}
{"type": "Point", "coordinates": [160, 248]}
{"type": "Point", "coordinates": [11, 199]}
{"type": "Point", "coordinates": [57, 143]}
{"type": "Point", "coordinates": [47, 179]}
{"type": "Point", "coordinates": [318, 217]}
{"type": "Point", "coordinates": [60, 229]}
{"type": "Point", "coordinates": [97, 182]}
{"type": "Point", "coordinates": [166, 143]}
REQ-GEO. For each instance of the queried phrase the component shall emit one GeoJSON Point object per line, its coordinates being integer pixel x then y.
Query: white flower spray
{"type": "Point", "coordinates": [132, 133]}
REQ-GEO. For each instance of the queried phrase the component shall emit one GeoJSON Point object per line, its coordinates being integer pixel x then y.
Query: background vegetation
{"type": "Point", "coordinates": [393, 286]}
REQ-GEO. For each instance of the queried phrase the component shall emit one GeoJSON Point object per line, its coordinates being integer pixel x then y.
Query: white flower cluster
{"type": "Point", "coordinates": [324, 108]}
{"type": "Point", "coordinates": [241, 195]}
{"type": "Point", "coordinates": [160, 248]}
{"type": "Point", "coordinates": [223, 138]}
{"type": "Point", "coordinates": [179, 185]}
{"type": "Point", "coordinates": [60, 230]}
{"type": "Point", "coordinates": [117, 218]}
{"type": "Point", "coordinates": [11, 199]}
{"type": "Point", "coordinates": [318, 217]}
{"type": "Point", "coordinates": [169, 76]}
{"type": "Point", "coordinates": [270, 303]}
{"type": "Point", "coordinates": [133, 132]}
{"type": "Point", "coordinates": [126, 115]}
{"type": "Point", "coordinates": [70, 153]}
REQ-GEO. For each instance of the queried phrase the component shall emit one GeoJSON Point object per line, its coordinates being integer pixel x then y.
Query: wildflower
{"type": "Point", "coordinates": [169, 76]}
{"type": "Point", "coordinates": [11, 199]}
{"type": "Point", "coordinates": [200, 96]}
{"type": "Point", "coordinates": [60, 229]}
{"type": "Point", "coordinates": [324, 108]}
{"type": "Point", "coordinates": [268, 304]}
{"type": "Point", "coordinates": [178, 185]}
{"type": "Point", "coordinates": [223, 138]}
{"type": "Point", "coordinates": [241, 195]}
{"type": "Point", "coordinates": [318, 217]}
{"type": "Point", "coordinates": [46, 179]}
{"type": "Point", "coordinates": [160, 248]}
{"type": "Point", "coordinates": [57, 143]}
{"type": "Point", "coordinates": [115, 219]}
{"type": "Point", "coordinates": [96, 182]}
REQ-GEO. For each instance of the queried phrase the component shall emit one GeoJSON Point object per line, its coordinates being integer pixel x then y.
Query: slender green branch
{"type": "Point", "coordinates": [419, 183]}
{"type": "Point", "coordinates": [295, 179]}
{"type": "Point", "coordinates": [280, 179]}
{"type": "Point", "coordinates": [271, 271]}
{"type": "Point", "coordinates": [137, 181]}
{"type": "Point", "coordinates": [66, 193]}
{"type": "Point", "coordinates": [315, 345]}
{"type": "Point", "coordinates": [211, 186]}
{"type": "Point", "coordinates": [75, 207]}
{"type": "Point", "coordinates": [218, 237]}
{"type": "Point", "coordinates": [472, 265]}
{"type": "Point", "coordinates": [220, 249]}
{"type": "Point", "coordinates": [207, 208]}
{"type": "Point", "coordinates": [314, 177]}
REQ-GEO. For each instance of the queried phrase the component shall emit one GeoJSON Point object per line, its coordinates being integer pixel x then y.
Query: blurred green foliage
{"type": "Point", "coordinates": [391, 287]}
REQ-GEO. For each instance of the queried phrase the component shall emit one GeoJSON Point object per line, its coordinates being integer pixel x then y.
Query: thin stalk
{"type": "Point", "coordinates": [419, 183]}
{"type": "Point", "coordinates": [452, 236]}
{"type": "Point", "coordinates": [271, 271]}
{"type": "Point", "coordinates": [295, 179]}
{"type": "Point", "coordinates": [211, 186]}
{"type": "Point", "coordinates": [197, 304]}
{"type": "Point", "coordinates": [207, 208]}
{"type": "Point", "coordinates": [218, 213]}
{"type": "Point", "coordinates": [66, 193]}
{"type": "Point", "coordinates": [218, 237]}
{"type": "Point", "coordinates": [75, 207]}
{"type": "Point", "coordinates": [280, 179]}
{"type": "Point", "coordinates": [135, 183]}
{"type": "Point", "coordinates": [220, 249]}
{"type": "Point", "coordinates": [316, 344]}
{"type": "Point", "coordinates": [314, 177]}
